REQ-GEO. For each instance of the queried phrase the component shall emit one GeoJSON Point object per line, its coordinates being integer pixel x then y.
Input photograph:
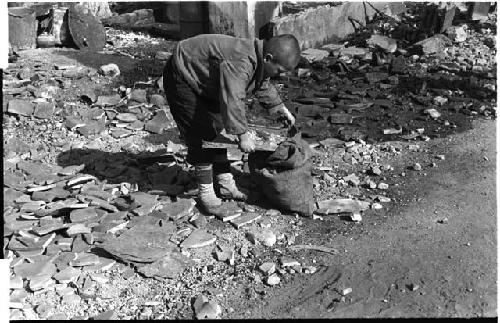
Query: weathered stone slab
{"type": "Point", "coordinates": [21, 107]}
{"type": "Point", "coordinates": [245, 218]}
{"type": "Point", "coordinates": [142, 243]}
{"type": "Point", "coordinates": [44, 110]}
{"type": "Point", "coordinates": [342, 206]}
{"type": "Point", "coordinates": [197, 239]}
{"type": "Point", "coordinates": [170, 266]}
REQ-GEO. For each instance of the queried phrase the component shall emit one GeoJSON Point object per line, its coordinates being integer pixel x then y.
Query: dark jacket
{"type": "Point", "coordinates": [226, 69]}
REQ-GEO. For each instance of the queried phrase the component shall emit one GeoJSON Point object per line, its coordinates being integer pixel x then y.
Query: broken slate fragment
{"type": "Point", "coordinates": [126, 117]}
{"type": "Point", "coordinates": [107, 315]}
{"type": "Point", "coordinates": [245, 218]}
{"type": "Point", "coordinates": [138, 95]}
{"type": "Point", "coordinates": [44, 110]}
{"type": "Point", "coordinates": [157, 100]}
{"type": "Point", "coordinates": [179, 209]}
{"type": "Point", "coordinates": [206, 309]}
{"type": "Point", "coordinates": [78, 228]}
{"type": "Point", "coordinates": [108, 100]}
{"type": "Point", "coordinates": [197, 239]}
{"type": "Point", "coordinates": [21, 107]}
{"type": "Point", "coordinates": [40, 282]}
{"type": "Point", "coordinates": [170, 266]}
{"type": "Point", "coordinates": [342, 206]}
{"type": "Point", "coordinates": [50, 195]}
{"type": "Point", "coordinates": [385, 43]}
{"type": "Point", "coordinates": [312, 54]}
{"type": "Point", "coordinates": [134, 245]}
{"type": "Point", "coordinates": [67, 275]}
{"type": "Point", "coordinates": [84, 259]}
{"type": "Point", "coordinates": [158, 123]}
{"type": "Point", "coordinates": [82, 215]}
{"type": "Point", "coordinates": [73, 122]}
{"type": "Point", "coordinates": [289, 262]}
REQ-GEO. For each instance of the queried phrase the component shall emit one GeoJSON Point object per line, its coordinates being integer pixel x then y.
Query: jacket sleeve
{"type": "Point", "coordinates": [234, 77]}
{"type": "Point", "coordinates": [268, 95]}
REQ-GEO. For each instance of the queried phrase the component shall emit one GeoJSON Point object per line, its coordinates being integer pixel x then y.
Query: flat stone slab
{"type": "Point", "coordinates": [82, 215]}
{"type": "Point", "coordinates": [67, 275]}
{"type": "Point", "coordinates": [84, 259]}
{"type": "Point", "coordinates": [40, 282]}
{"type": "Point", "coordinates": [245, 218]}
{"type": "Point", "coordinates": [30, 270]}
{"type": "Point", "coordinates": [142, 243]}
{"type": "Point", "coordinates": [197, 239]}
{"type": "Point", "coordinates": [179, 209]}
{"type": "Point", "coordinates": [126, 117]}
{"type": "Point", "coordinates": [108, 100]}
{"type": "Point", "coordinates": [158, 123]}
{"type": "Point", "coordinates": [334, 206]}
{"type": "Point", "coordinates": [21, 107]}
{"type": "Point", "coordinates": [44, 110]}
{"type": "Point", "coordinates": [50, 195]}
{"type": "Point", "coordinates": [170, 266]}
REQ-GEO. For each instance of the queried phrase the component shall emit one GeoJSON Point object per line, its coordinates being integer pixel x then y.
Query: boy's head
{"type": "Point", "coordinates": [281, 54]}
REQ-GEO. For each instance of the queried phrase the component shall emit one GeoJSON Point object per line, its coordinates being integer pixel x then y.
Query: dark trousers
{"type": "Point", "coordinates": [196, 118]}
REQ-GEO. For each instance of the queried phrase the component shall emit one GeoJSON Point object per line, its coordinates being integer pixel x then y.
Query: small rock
{"type": "Point", "coordinates": [67, 275]}
{"type": "Point", "coordinates": [163, 55]}
{"type": "Point", "coordinates": [457, 33]}
{"type": "Point", "coordinates": [346, 291]}
{"type": "Point", "coordinates": [417, 167]}
{"type": "Point", "coordinates": [289, 262]}
{"type": "Point", "coordinates": [377, 206]}
{"type": "Point", "coordinates": [413, 287]}
{"type": "Point", "coordinates": [440, 157]}
{"type": "Point", "coordinates": [356, 217]}
{"type": "Point", "coordinates": [383, 186]}
{"type": "Point", "coordinates": [111, 70]}
{"type": "Point", "coordinates": [268, 268]}
{"type": "Point", "coordinates": [375, 170]}
{"type": "Point", "coordinates": [273, 280]}
{"type": "Point", "coordinates": [353, 179]}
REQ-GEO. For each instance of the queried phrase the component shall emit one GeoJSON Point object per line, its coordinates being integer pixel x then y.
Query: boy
{"type": "Point", "coordinates": [206, 82]}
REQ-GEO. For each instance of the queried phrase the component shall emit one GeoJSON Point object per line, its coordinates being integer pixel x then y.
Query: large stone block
{"type": "Point", "coordinates": [325, 24]}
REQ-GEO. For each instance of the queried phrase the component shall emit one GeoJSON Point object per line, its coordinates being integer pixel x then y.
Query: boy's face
{"type": "Point", "coordinates": [272, 68]}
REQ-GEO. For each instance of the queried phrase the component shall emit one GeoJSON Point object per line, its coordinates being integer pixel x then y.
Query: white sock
{"type": "Point", "coordinates": [207, 195]}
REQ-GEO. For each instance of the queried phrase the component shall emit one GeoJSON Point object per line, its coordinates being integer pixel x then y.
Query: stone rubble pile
{"type": "Point", "coordinates": [83, 200]}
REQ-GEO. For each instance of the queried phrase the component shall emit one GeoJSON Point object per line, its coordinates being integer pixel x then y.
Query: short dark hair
{"type": "Point", "coordinates": [285, 50]}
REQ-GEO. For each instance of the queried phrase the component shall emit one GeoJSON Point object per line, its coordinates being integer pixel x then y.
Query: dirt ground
{"type": "Point", "coordinates": [430, 252]}
{"type": "Point", "coordinates": [439, 240]}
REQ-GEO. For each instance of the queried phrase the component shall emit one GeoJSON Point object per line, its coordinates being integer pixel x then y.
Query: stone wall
{"type": "Point", "coordinates": [324, 24]}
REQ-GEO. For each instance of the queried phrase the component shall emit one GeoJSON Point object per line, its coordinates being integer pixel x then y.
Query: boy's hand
{"type": "Point", "coordinates": [247, 144]}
